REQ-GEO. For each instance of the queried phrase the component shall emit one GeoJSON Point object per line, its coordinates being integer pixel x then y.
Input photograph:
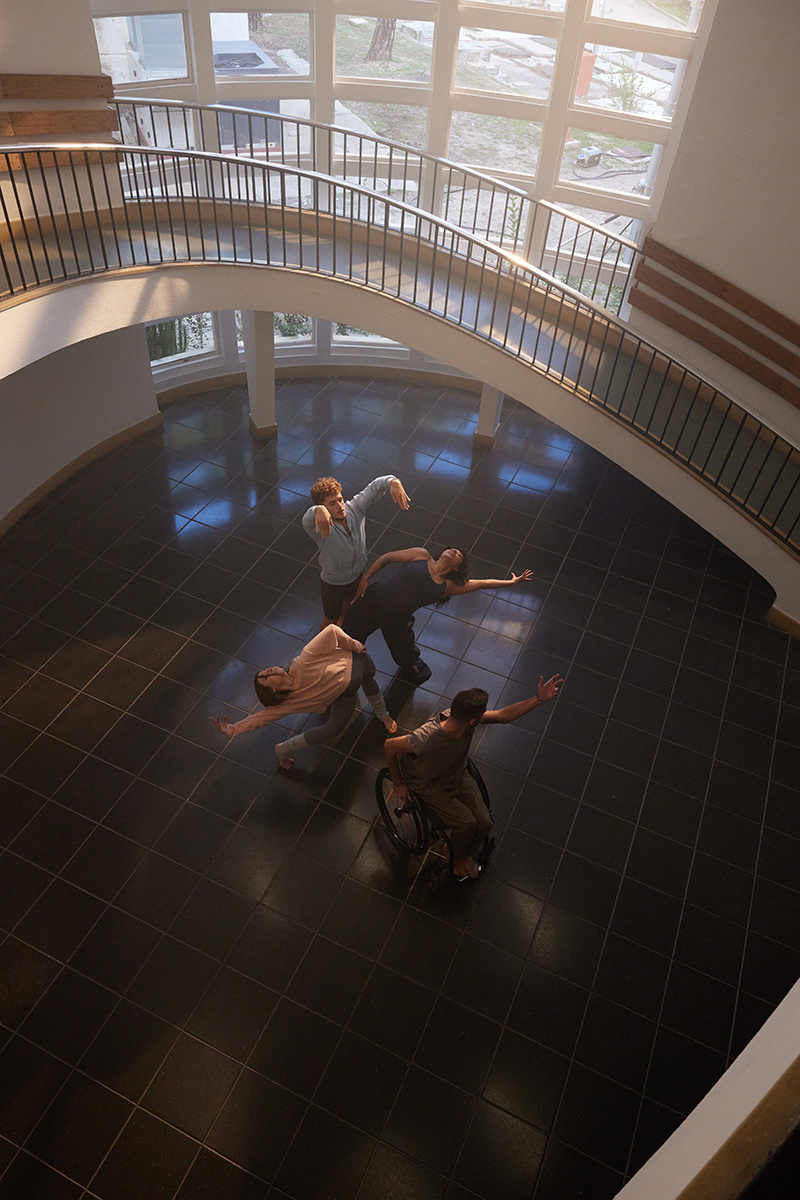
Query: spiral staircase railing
{"type": "Point", "coordinates": [76, 211]}
{"type": "Point", "coordinates": [573, 249]}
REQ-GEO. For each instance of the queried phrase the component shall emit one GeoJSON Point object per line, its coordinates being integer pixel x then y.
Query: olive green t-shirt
{"type": "Point", "coordinates": [440, 760]}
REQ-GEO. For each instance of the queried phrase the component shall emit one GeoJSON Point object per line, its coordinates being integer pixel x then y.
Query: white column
{"type": "Point", "coordinates": [488, 417]}
{"type": "Point", "coordinates": [259, 348]}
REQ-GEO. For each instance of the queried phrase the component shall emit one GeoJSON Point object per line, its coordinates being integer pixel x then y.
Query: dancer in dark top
{"type": "Point", "coordinates": [390, 602]}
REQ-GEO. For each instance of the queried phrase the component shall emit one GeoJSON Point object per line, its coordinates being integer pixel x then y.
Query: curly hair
{"type": "Point", "coordinates": [459, 575]}
{"type": "Point", "coordinates": [324, 488]}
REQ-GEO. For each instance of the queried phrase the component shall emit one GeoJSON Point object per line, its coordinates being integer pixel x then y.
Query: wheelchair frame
{"type": "Point", "coordinates": [416, 829]}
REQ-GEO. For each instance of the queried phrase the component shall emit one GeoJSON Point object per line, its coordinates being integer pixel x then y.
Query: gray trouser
{"type": "Point", "coordinates": [341, 709]}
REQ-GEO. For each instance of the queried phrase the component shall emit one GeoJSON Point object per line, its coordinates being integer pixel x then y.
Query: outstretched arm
{"type": "Point", "coordinates": [512, 712]}
{"type": "Point", "coordinates": [475, 585]}
{"type": "Point", "coordinates": [245, 726]}
{"type": "Point", "coordinates": [379, 487]}
{"type": "Point", "coordinates": [392, 556]}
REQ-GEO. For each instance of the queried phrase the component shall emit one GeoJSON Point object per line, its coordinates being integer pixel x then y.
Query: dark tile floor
{"type": "Point", "coordinates": [217, 981]}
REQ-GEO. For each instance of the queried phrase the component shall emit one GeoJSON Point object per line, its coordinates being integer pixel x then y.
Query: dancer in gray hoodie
{"type": "Point", "coordinates": [337, 527]}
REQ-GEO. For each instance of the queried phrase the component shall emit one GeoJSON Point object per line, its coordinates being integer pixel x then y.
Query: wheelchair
{"type": "Point", "coordinates": [417, 830]}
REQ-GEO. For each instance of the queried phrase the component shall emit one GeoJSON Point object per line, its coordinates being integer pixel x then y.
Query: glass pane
{"type": "Point", "coordinates": [158, 125]}
{"type": "Point", "coordinates": [255, 45]}
{"type": "Point", "coordinates": [350, 333]}
{"type": "Point", "coordinates": [181, 337]}
{"type": "Point", "coordinates": [662, 14]}
{"type": "Point", "coordinates": [503, 143]}
{"type": "Point", "coordinates": [260, 136]}
{"type": "Point", "coordinates": [133, 49]}
{"type": "Point", "coordinates": [495, 60]}
{"type": "Point", "coordinates": [383, 48]}
{"type": "Point", "coordinates": [405, 123]}
{"type": "Point", "coordinates": [615, 225]}
{"type": "Point", "coordinates": [292, 327]}
{"type": "Point", "coordinates": [484, 210]}
{"type": "Point", "coordinates": [628, 81]}
{"type": "Point", "coordinates": [599, 160]}
{"type": "Point", "coordinates": [531, 5]}
{"type": "Point", "coordinates": [588, 259]}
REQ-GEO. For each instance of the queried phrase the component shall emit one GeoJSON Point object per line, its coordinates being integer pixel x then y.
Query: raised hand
{"type": "Point", "coordinates": [224, 726]}
{"type": "Point", "coordinates": [548, 691]}
{"type": "Point", "coordinates": [400, 794]}
{"type": "Point", "coordinates": [322, 521]}
{"type": "Point", "coordinates": [398, 494]}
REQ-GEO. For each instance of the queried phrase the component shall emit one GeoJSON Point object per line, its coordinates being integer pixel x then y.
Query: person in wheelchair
{"type": "Point", "coordinates": [434, 761]}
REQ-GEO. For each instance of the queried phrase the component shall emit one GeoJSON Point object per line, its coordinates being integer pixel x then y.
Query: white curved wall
{"type": "Point", "coordinates": [27, 48]}
{"type": "Point", "coordinates": [730, 203]}
{"type": "Point", "coordinates": [65, 315]}
{"type": "Point", "coordinates": [68, 403]}
{"type": "Point", "coordinates": [731, 200]}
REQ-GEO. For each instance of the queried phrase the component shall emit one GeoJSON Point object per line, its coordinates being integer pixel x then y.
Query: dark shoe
{"type": "Point", "coordinates": [419, 673]}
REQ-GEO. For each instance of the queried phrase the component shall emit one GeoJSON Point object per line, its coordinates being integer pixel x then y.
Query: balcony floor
{"type": "Point", "coordinates": [217, 980]}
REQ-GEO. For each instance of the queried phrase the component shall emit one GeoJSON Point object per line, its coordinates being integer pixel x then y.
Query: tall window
{"type": "Point", "coordinates": [384, 48]}
{"type": "Point", "coordinates": [497, 60]}
{"type": "Point", "coordinates": [181, 338]}
{"type": "Point", "coordinates": [572, 103]}
{"type": "Point", "coordinates": [140, 49]}
{"type": "Point", "coordinates": [255, 45]}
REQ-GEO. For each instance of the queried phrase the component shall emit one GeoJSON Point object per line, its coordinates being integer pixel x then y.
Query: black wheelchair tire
{"type": "Point", "coordinates": [404, 825]}
{"type": "Point", "coordinates": [472, 768]}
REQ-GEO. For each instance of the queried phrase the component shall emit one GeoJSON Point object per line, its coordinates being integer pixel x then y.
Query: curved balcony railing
{"type": "Point", "coordinates": [572, 249]}
{"type": "Point", "coordinates": [75, 211]}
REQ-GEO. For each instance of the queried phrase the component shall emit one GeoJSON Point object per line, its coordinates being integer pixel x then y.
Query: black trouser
{"type": "Point", "coordinates": [364, 617]}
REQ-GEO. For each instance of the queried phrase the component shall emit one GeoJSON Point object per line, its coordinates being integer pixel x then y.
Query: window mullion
{"type": "Point", "coordinates": [570, 49]}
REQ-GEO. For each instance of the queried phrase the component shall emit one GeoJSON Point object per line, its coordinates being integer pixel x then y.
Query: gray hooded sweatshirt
{"type": "Point", "coordinates": [341, 558]}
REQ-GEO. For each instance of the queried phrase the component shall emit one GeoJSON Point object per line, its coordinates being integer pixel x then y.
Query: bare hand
{"type": "Point", "coordinates": [398, 494]}
{"type": "Point", "coordinates": [362, 587]}
{"type": "Point", "coordinates": [518, 578]}
{"type": "Point", "coordinates": [359, 648]}
{"type": "Point", "coordinates": [400, 793]}
{"type": "Point", "coordinates": [322, 521]}
{"type": "Point", "coordinates": [224, 726]}
{"type": "Point", "coordinates": [548, 691]}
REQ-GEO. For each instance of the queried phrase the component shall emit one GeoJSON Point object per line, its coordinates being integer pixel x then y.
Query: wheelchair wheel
{"type": "Point", "coordinates": [402, 820]}
{"type": "Point", "coordinates": [476, 775]}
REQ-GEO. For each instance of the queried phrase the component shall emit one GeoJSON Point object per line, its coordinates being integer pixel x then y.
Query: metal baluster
{"type": "Point", "coordinates": [600, 352]}
{"type": "Point", "coordinates": [723, 419]}
{"type": "Point", "coordinates": [764, 461]}
{"type": "Point", "coordinates": [708, 410]}
{"type": "Point", "coordinates": [689, 410]}
{"type": "Point", "coordinates": [96, 207]}
{"type": "Point", "coordinates": [675, 399]}
{"type": "Point", "coordinates": [67, 215]}
{"type": "Point", "coordinates": [645, 381]}
{"type": "Point", "coordinates": [36, 213]}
